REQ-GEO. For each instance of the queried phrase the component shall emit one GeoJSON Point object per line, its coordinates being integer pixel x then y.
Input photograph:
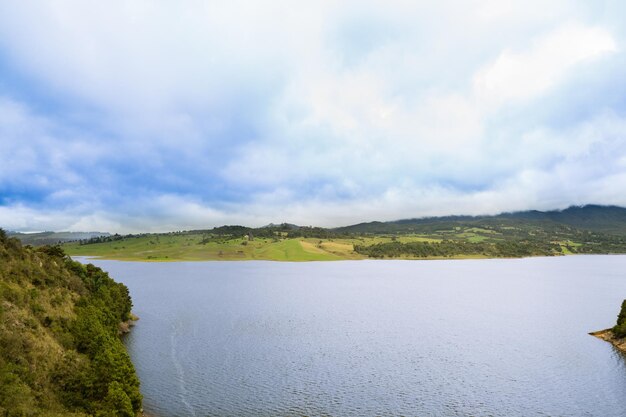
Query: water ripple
{"type": "Point", "coordinates": [459, 338]}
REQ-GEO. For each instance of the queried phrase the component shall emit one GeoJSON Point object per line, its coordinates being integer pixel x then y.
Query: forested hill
{"type": "Point", "coordinates": [60, 353]}
{"type": "Point", "coordinates": [53, 238]}
{"type": "Point", "coordinates": [594, 218]}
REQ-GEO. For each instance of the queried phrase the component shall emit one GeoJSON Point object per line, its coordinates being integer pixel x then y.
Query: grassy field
{"type": "Point", "coordinates": [190, 248]}
{"type": "Point", "coordinates": [231, 243]}
{"type": "Point", "coordinates": [193, 247]}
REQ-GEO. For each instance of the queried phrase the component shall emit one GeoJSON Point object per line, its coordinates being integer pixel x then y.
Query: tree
{"type": "Point", "coordinates": [620, 327]}
{"type": "Point", "coordinates": [116, 403]}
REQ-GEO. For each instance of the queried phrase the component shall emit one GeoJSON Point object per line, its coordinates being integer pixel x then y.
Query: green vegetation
{"type": "Point", "coordinates": [60, 353]}
{"type": "Point", "coordinates": [203, 245]}
{"type": "Point", "coordinates": [448, 248]}
{"type": "Point", "coordinates": [620, 328]}
{"type": "Point", "coordinates": [577, 230]}
{"type": "Point", "coordinates": [591, 218]}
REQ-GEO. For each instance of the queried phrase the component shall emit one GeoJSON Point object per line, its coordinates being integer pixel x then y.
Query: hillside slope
{"type": "Point", "coordinates": [576, 230]}
{"type": "Point", "coordinates": [593, 218]}
{"type": "Point", "coordinates": [60, 353]}
{"type": "Point", "coordinates": [53, 238]}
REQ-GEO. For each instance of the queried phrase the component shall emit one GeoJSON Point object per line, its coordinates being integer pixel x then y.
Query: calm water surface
{"type": "Point", "coordinates": [377, 338]}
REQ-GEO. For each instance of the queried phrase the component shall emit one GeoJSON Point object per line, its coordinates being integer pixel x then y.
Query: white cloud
{"type": "Point", "coordinates": [524, 75]}
{"type": "Point", "coordinates": [358, 123]}
{"type": "Point", "coordinates": [195, 114]}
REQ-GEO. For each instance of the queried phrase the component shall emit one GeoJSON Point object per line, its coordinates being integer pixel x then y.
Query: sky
{"type": "Point", "coordinates": [155, 115]}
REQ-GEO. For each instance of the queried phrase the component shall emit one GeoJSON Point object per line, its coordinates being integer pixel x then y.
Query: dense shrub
{"type": "Point", "coordinates": [60, 353]}
{"type": "Point", "coordinates": [620, 327]}
{"type": "Point", "coordinates": [448, 248]}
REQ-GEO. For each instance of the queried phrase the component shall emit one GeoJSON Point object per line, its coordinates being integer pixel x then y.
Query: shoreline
{"type": "Point", "coordinates": [441, 258]}
{"type": "Point", "coordinates": [125, 326]}
{"type": "Point", "coordinates": [608, 336]}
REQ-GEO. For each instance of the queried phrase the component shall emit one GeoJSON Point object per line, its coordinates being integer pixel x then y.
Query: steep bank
{"type": "Point", "coordinates": [60, 353]}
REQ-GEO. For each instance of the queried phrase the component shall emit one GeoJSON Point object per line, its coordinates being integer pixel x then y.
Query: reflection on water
{"type": "Point", "coordinates": [384, 338]}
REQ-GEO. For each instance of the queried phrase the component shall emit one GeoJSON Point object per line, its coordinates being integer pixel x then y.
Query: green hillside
{"type": "Point", "coordinates": [589, 218]}
{"type": "Point", "coordinates": [196, 246]}
{"type": "Point", "coordinates": [60, 353]}
{"type": "Point", "coordinates": [589, 229]}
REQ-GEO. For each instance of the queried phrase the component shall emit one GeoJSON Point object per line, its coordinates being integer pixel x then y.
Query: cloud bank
{"type": "Point", "coordinates": [152, 115]}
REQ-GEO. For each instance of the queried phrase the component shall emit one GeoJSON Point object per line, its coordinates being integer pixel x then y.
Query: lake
{"type": "Point", "coordinates": [504, 337]}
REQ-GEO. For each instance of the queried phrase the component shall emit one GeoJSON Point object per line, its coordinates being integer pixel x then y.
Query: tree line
{"type": "Point", "coordinates": [450, 248]}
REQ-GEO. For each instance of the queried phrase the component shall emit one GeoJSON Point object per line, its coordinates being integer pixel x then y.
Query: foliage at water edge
{"type": "Point", "coordinates": [60, 352]}
{"type": "Point", "coordinates": [620, 328]}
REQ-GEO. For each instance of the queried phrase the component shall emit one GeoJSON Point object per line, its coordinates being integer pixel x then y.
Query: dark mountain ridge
{"type": "Point", "coordinates": [594, 218]}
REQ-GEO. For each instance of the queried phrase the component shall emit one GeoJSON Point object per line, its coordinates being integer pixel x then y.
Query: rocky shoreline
{"type": "Point", "coordinates": [609, 336]}
{"type": "Point", "coordinates": [125, 326]}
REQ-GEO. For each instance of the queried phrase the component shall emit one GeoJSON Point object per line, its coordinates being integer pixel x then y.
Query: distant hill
{"type": "Point", "coordinates": [281, 226]}
{"type": "Point", "coordinates": [576, 230]}
{"type": "Point", "coordinates": [52, 238]}
{"type": "Point", "coordinates": [605, 219]}
{"type": "Point", "coordinates": [594, 218]}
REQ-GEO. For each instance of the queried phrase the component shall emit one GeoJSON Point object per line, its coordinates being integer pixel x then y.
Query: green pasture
{"type": "Point", "coordinates": [202, 246]}
{"type": "Point", "coordinates": [190, 247]}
